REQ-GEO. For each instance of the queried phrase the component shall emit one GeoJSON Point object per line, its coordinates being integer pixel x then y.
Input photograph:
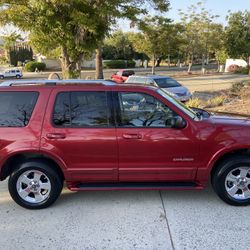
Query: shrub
{"type": "Point", "coordinates": [246, 82]}
{"type": "Point", "coordinates": [215, 102]}
{"type": "Point", "coordinates": [115, 64]}
{"type": "Point", "coordinates": [194, 103]}
{"type": "Point", "coordinates": [131, 63]}
{"type": "Point", "coordinates": [32, 66]}
{"type": "Point", "coordinates": [242, 70]}
{"type": "Point", "coordinates": [119, 64]}
{"type": "Point", "coordinates": [236, 87]}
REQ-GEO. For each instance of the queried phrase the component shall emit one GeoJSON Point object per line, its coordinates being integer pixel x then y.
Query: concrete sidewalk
{"type": "Point", "coordinates": [126, 220]}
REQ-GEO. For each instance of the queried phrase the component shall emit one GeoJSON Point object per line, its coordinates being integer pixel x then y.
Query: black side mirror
{"type": "Point", "coordinates": [178, 122]}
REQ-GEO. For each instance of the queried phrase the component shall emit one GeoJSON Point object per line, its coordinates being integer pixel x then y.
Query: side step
{"type": "Point", "coordinates": [136, 186]}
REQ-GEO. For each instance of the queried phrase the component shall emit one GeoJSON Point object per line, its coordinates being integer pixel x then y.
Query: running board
{"type": "Point", "coordinates": [136, 186]}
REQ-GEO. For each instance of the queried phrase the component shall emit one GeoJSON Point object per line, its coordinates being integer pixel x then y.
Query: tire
{"type": "Point", "coordinates": [18, 76]}
{"type": "Point", "coordinates": [1, 77]}
{"type": "Point", "coordinates": [34, 184]}
{"type": "Point", "coordinates": [231, 180]}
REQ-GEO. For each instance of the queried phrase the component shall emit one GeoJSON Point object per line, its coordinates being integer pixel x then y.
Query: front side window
{"type": "Point", "coordinates": [16, 108]}
{"type": "Point", "coordinates": [81, 109]}
{"type": "Point", "coordinates": [143, 110]}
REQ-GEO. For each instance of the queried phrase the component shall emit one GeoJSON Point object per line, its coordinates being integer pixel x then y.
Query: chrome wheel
{"type": "Point", "coordinates": [33, 186]}
{"type": "Point", "coordinates": [237, 183]}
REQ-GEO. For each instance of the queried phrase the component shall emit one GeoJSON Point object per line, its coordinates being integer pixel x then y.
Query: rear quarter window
{"type": "Point", "coordinates": [16, 108]}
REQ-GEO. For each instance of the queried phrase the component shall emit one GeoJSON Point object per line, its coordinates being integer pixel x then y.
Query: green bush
{"type": "Point", "coordinates": [131, 63]}
{"type": "Point", "coordinates": [115, 64]}
{"type": "Point", "coordinates": [242, 70]}
{"type": "Point", "coordinates": [32, 66]}
{"type": "Point", "coordinates": [119, 64]}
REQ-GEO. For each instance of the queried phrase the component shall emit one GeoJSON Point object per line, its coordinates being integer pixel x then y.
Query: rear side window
{"type": "Point", "coordinates": [16, 108]}
{"type": "Point", "coordinates": [81, 109]}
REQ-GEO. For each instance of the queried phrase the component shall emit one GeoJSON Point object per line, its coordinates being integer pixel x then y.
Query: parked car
{"type": "Point", "coordinates": [169, 84]}
{"type": "Point", "coordinates": [122, 75]}
{"type": "Point", "coordinates": [11, 73]}
{"type": "Point", "coordinates": [98, 135]}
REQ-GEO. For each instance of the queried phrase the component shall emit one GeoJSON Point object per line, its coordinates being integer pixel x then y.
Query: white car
{"type": "Point", "coordinates": [174, 88]}
{"type": "Point", "coordinates": [11, 73]}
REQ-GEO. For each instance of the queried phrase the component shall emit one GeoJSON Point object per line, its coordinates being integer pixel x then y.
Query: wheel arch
{"type": "Point", "coordinates": [10, 163]}
{"type": "Point", "coordinates": [226, 155]}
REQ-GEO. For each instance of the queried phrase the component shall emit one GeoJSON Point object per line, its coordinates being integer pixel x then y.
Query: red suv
{"type": "Point", "coordinates": [97, 135]}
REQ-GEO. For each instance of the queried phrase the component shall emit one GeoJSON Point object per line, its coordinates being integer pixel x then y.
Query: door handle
{"type": "Point", "coordinates": [56, 136]}
{"type": "Point", "coordinates": [132, 136]}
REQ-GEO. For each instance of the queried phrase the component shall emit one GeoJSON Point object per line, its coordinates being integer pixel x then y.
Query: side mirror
{"type": "Point", "coordinates": [178, 122]}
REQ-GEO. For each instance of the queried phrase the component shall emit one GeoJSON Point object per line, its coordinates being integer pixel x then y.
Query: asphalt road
{"type": "Point", "coordinates": [126, 220]}
{"type": "Point", "coordinates": [211, 82]}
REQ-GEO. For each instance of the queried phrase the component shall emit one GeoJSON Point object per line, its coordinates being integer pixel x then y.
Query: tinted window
{"type": "Point", "coordinates": [167, 83]}
{"type": "Point", "coordinates": [142, 110]}
{"type": "Point", "coordinates": [16, 108]}
{"type": "Point", "coordinates": [81, 109]}
{"type": "Point", "coordinates": [61, 116]}
{"type": "Point", "coordinates": [128, 73]}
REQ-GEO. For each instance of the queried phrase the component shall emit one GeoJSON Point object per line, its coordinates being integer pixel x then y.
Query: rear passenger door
{"type": "Point", "coordinates": [80, 130]}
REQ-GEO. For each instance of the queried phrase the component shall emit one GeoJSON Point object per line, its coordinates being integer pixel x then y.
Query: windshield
{"type": "Point", "coordinates": [167, 83]}
{"type": "Point", "coordinates": [178, 104]}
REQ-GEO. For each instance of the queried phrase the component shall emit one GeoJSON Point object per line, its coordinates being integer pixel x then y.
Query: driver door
{"type": "Point", "coordinates": [150, 148]}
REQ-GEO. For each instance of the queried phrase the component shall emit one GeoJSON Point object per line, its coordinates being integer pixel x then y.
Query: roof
{"type": "Point", "coordinates": [54, 82]}
{"type": "Point", "coordinates": [73, 82]}
{"type": "Point", "coordinates": [150, 76]}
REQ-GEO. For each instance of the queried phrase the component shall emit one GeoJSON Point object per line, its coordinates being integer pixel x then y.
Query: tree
{"type": "Point", "coordinates": [238, 35]}
{"type": "Point", "coordinates": [9, 42]}
{"type": "Point", "coordinates": [118, 46]}
{"type": "Point", "coordinates": [198, 23]}
{"type": "Point", "coordinates": [131, 10]}
{"type": "Point", "coordinates": [76, 26]}
{"type": "Point", "coordinates": [156, 38]}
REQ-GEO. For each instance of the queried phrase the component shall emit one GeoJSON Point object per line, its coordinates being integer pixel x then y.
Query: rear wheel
{"type": "Point", "coordinates": [35, 184]}
{"type": "Point", "coordinates": [231, 180]}
{"type": "Point", "coordinates": [1, 77]}
{"type": "Point", "coordinates": [18, 76]}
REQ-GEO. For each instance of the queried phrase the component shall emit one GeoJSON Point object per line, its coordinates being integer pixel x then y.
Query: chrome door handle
{"type": "Point", "coordinates": [132, 136]}
{"type": "Point", "coordinates": [56, 136]}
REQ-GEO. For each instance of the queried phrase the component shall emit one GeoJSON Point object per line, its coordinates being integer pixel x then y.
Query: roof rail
{"type": "Point", "coordinates": [55, 82]}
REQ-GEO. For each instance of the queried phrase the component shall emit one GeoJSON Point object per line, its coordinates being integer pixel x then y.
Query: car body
{"type": "Point", "coordinates": [98, 135]}
{"type": "Point", "coordinates": [11, 73]}
{"type": "Point", "coordinates": [167, 83]}
{"type": "Point", "coordinates": [122, 75]}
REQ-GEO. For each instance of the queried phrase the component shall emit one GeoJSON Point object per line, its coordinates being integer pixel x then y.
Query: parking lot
{"type": "Point", "coordinates": [126, 220]}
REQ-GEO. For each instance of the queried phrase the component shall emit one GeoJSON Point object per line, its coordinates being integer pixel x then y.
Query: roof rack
{"type": "Point", "coordinates": [55, 82]}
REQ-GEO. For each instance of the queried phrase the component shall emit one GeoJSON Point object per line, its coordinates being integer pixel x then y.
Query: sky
{"type": "Point", "coordinates": [217, 7]}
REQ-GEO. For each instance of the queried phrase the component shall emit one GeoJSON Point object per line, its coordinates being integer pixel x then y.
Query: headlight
{"type": "Point", "coordinates": [172, 94]}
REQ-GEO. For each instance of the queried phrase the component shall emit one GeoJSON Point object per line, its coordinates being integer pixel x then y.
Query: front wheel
{"type": "Point", "coordinates": [231, 180]}
{"type": "Point", "coordinates": [35, 184]}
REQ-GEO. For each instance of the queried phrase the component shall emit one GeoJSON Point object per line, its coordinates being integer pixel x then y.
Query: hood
{"type": "Point", "coordinates": [178, 90]}
{"type": "Point", "coordinates": [233, 119]}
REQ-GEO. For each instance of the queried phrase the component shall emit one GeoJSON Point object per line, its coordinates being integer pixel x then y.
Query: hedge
{"type": "Point", "coordinates": [119, 64]}
{"type": "Point", "coordinates": [32, 66]}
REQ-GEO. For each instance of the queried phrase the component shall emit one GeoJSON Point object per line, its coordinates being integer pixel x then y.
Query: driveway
{"type": "Point", "coordinates": [126, 220]}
